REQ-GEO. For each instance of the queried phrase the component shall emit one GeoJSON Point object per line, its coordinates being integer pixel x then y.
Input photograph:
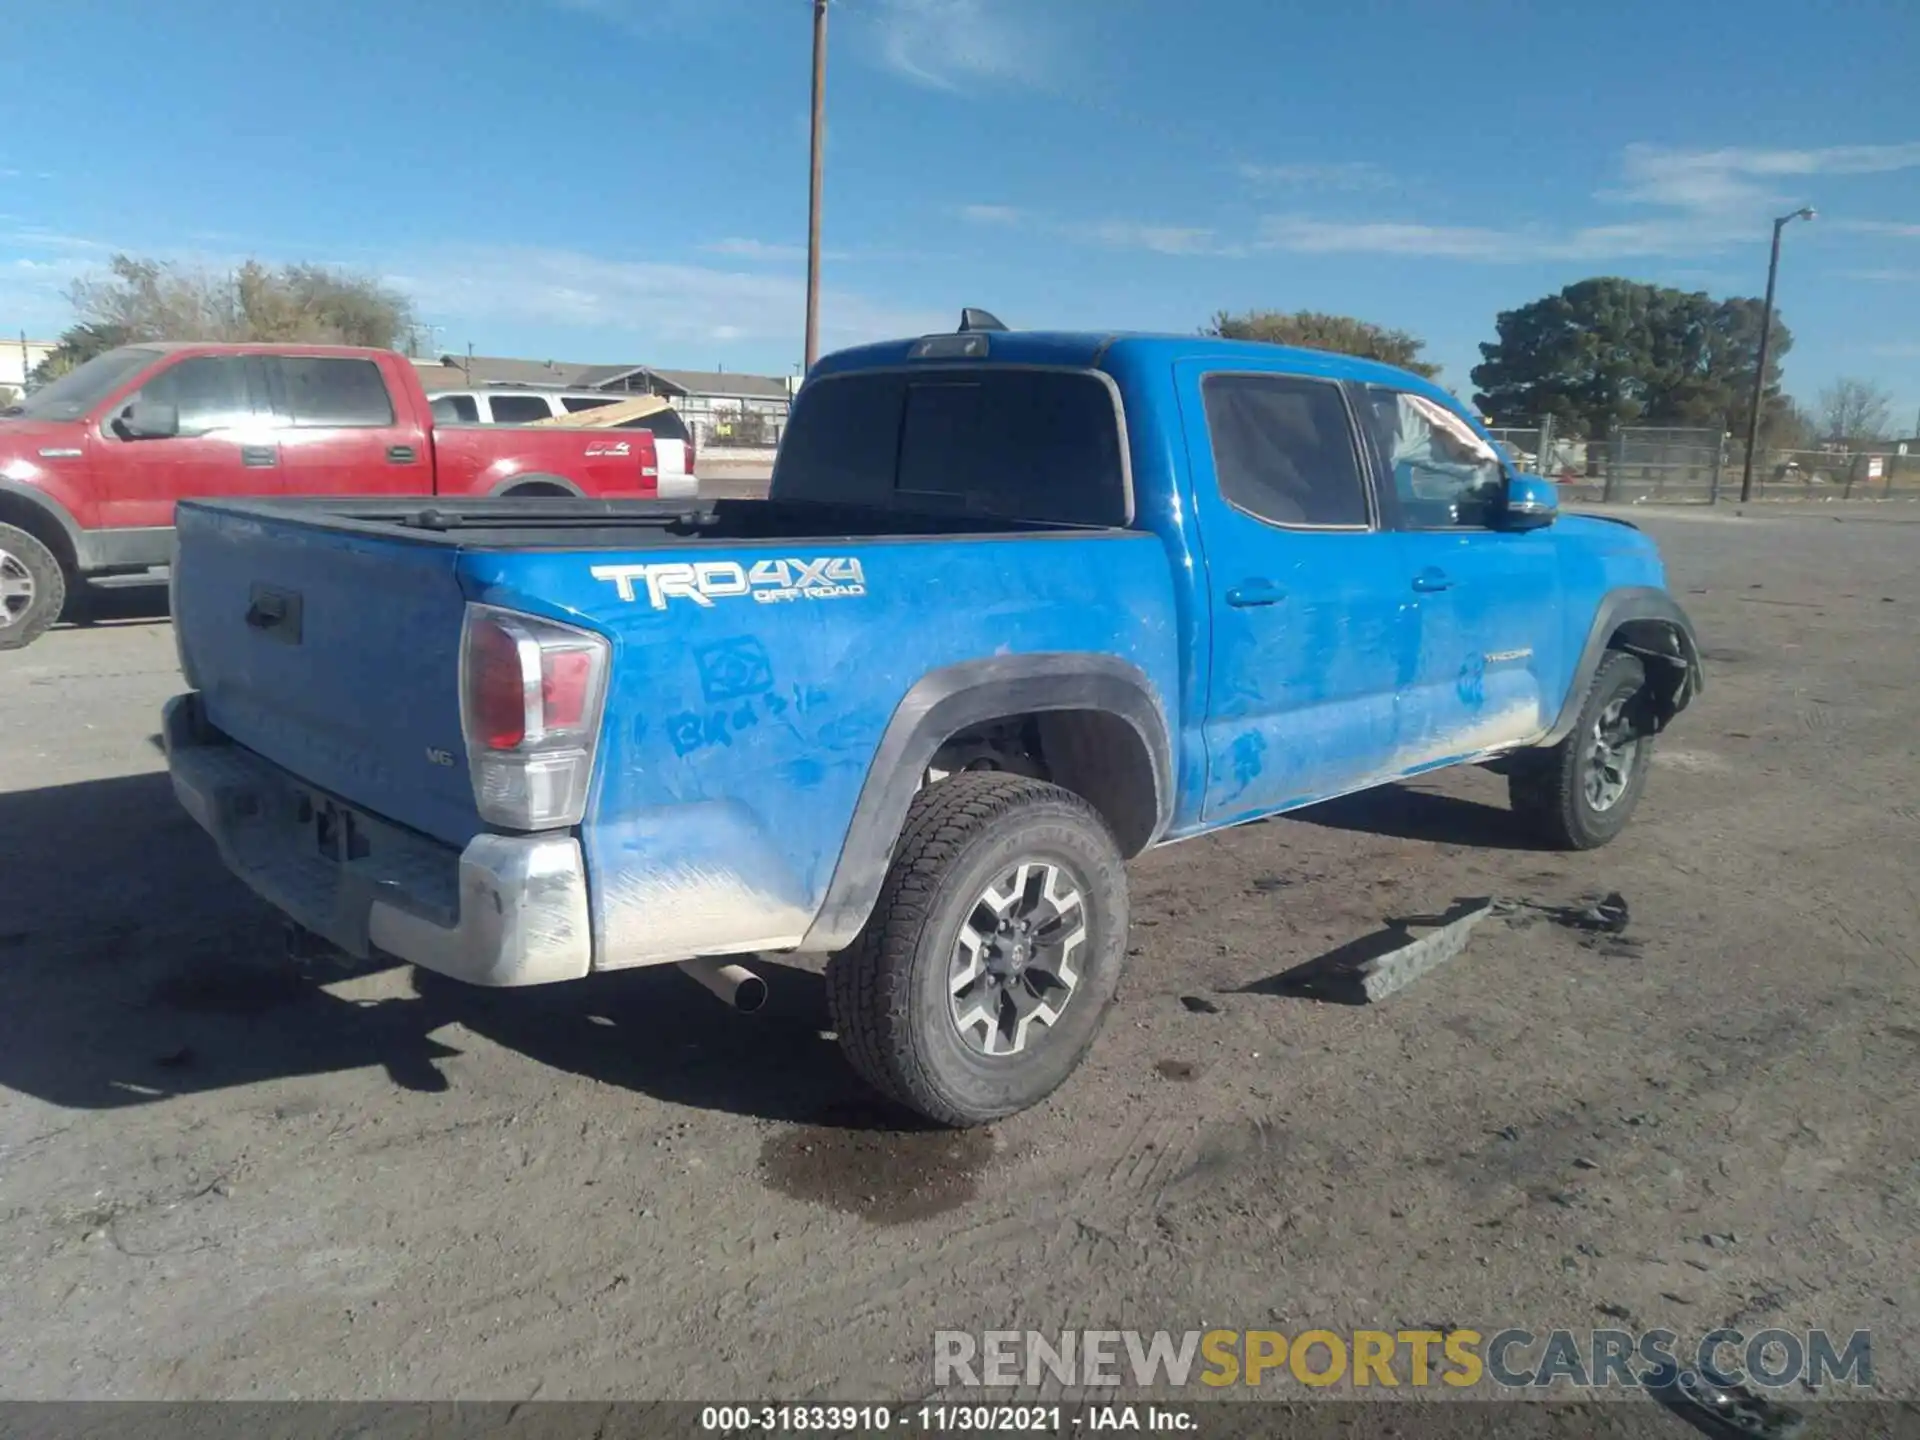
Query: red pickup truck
{"type": "Point", "coordinates": [91, 465]}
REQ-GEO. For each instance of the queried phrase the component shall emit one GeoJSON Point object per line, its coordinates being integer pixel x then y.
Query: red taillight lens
{"type": "Point", "coordinates": [566, 685]}
{"type": "Point", "coordinates": [496, 686]}
{"type": "Point", "coordinates": [531, 696]}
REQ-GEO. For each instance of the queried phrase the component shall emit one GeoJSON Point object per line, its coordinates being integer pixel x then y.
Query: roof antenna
{"type": "Point", "coordinates": [972, 319]}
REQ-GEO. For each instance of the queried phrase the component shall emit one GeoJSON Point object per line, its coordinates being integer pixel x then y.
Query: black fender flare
{"type": "Point", "coordinates": [946, 701]}
{"type": "Point", "coordinates": [78, 542]}
{"type": "Point", "coordinates": [1625, 606]}
{"type": "Point", "coordinates": [514, 482]}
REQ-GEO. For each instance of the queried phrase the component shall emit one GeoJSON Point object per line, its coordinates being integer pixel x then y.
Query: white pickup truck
{"type": "Point", "coordinates": [504, 405]}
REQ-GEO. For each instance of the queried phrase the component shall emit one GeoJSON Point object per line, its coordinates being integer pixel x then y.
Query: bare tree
{"type": "Point", "coordinates": [1854, 410]}
{"type": "Point", "coordinates": [157, 300]}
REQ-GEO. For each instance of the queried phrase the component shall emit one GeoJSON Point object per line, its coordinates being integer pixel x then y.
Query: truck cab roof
{"type": "Point", "coordinates": [1109, 350]}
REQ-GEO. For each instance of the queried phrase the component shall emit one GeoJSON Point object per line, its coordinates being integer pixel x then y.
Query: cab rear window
{"type": "Point", "coordinates": [1023, 444]}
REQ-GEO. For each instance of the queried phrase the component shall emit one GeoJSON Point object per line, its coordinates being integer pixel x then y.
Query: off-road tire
{"type": "Point", "coordinates": [890, 991]}
{"type": "Point", "coordinates": [1547, 788]}
{"type": "Point", "coordinates": [22, 555]}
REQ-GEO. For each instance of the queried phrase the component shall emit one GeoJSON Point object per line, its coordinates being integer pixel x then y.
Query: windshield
{"type": "Point", "coordinates": [79, 390]}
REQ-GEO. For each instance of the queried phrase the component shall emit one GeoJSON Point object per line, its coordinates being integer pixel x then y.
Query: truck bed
{"type": "Point", "coordinates": [566, 523]}
{"type": "Point", "coordinates": [761, 651]}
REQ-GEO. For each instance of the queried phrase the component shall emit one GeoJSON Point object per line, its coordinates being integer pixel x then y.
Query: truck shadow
{"type": "Point", "coordinates": [1404, 813]}
{"type": "Point", "coordinates": [135, 969]}
{"type": "Point", "coordinates": [91, 606]}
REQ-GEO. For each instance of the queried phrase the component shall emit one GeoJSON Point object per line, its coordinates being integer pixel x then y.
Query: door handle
{"type": "Point", "coordinates": [1430, 579]}
{"type": "Point", "coordinates": [259, 457]}
{"type": "Point", "coordinates": [401, 455]}
{"type": "Point", "coordinates": [1250, 593]}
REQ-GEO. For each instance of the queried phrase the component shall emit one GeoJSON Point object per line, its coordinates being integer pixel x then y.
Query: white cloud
{"type": "Point", "coordinates": [756, 250]}
{"type": "Point", "coordinates": [953, 44]}
{"type": "Point", "coordinates": [1745, 179]}
{"type": "Point", "coordinates": [655, 300]}
{"type": "Point", "coordinates": [1337, 175]}
{"type": "Point", "coordinates": [1900, 229]}
{"type": "Point", "coordinates": [990, 214]}
{"type": "Point", "coordinates": [1698, 201]}
{"type": "Point", "coordinates": [1161, 239]}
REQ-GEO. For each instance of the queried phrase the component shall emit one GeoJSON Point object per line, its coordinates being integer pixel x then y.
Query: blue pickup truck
{"type": "Point", "coordinates": [1018, 607]}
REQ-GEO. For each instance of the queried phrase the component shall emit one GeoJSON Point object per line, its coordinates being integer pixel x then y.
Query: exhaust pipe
{"type": "Point", "coordinates": [734, 984]}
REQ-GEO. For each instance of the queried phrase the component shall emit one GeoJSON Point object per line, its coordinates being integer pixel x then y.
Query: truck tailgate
{"type": "Point", "coordinates": [334, 655]}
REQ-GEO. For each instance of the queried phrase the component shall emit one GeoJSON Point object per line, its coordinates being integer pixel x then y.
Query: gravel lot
{"type": "Point", "coordinates": [220, 1178]}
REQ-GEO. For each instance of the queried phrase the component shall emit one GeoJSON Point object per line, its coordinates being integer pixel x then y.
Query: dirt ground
{"type": "Point", "coordinates": [220, 1178]}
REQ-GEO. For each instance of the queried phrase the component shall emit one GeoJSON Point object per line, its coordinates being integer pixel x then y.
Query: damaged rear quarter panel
{"type": "Point", "coordinates": [737, 735]}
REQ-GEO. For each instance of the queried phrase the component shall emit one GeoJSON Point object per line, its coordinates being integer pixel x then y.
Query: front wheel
{"type": "Point", "coordinates": [1579, 794]}
{"type": "Point", "coordinates": [33, 588]}
{"type": "Point", "coordinates": [984, 973]}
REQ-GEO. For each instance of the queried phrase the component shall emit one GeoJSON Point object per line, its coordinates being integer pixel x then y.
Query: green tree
{"type": "Point", "coordinates": [1609, 351]}
{"type": "Point", "coordinates": [1313, 330]}
{"type": "Point", "coordinates": [78, 344]}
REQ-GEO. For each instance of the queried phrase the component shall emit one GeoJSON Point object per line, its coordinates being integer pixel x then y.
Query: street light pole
{"type": "Point", "coordinates": [1760, 366]}
{"type": "Point", "coordinates": [819, 157]}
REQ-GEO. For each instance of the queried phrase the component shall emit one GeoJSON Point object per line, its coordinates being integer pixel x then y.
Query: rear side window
{"type": "Point", "coordinates": [576, 403]}
{"type": "Point", "coordinates": [519, 409]}
{"type": "Point", "coordinates": [1283, 450]}
{"type": "Point", "coordinates": [456, 408]}
{"type": "Point", "coordinates": [1013, 443]}
{"type": "Point", "coordinates": [330, 392]}
{"type": "Point", "coordinates": [210, 392]}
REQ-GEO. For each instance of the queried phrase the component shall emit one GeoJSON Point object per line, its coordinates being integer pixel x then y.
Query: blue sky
{"type": "Point", "coordinates": [607, 180]}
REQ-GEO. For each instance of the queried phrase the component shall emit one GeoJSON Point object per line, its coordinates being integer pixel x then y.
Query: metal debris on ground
{"type": "Point", "coordinates": [1375, 966]}
{"type": "Point", "coordinates": [1602, 921]}
{"type": "Point", "coordinates": [1730, 1411]}
{"type": "Point", "coordinates": [1607, 915]}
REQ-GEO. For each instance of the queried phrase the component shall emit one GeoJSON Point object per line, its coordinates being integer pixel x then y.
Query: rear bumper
{"type": "Point", "coordinates": [506, 910]}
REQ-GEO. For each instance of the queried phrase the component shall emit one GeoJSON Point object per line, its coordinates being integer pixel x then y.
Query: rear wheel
{"type": "Point", "coordinates": [1579, 794]}
{"type": "Point", "coordinates": [33, 588]}
{"type": "Point", "coordinates": [987, 966]}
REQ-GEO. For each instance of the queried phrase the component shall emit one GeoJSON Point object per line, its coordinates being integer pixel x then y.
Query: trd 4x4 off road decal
{"type": "Point", "coordinates": [825, 577]}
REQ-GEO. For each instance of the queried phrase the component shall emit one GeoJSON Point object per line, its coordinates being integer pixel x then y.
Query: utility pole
{"type": "Point", "coordinates": [1760, 366]}
{"type": "Point", "coordinates": [819, 158]}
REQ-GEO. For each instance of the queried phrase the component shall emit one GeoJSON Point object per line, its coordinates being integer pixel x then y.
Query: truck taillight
{"type": "Point", "coordinates": [531, 693]}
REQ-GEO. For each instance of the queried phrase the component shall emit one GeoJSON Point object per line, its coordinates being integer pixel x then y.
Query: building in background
{"type": "Point", "coordinates": [18, 357]}
{"type": "Point", "coordinates": [720, 406]}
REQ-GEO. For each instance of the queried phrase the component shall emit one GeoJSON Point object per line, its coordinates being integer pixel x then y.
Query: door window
{"type": "Point", "coordinates": [519, 409]}
{"type": "Point", "coordinates": [330, 392]}
{"type": "Point", "coordinates": [1283, 450]}
{"type": "Point", "coordinates": [209, 391]}
{"type": "Point", "coordinates": [1444, 474]}
{"type": "Point", "coordinates": [456, 408]}
{"type": "Point", "coordinates": [576, 403]}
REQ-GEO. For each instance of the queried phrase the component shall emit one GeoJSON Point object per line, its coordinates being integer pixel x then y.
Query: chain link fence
{"type": "Point", "coordinates": [1653, 464]}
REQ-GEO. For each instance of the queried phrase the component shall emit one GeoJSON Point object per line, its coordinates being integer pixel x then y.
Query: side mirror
{"type": "Point", "coordinates": [148, 420]}
{"type": "Point", "coordinates": [1530, 503]}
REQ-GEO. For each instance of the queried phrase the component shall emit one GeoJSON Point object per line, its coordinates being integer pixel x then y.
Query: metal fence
{"type": "Point", "coordinates": [1649, 464]}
